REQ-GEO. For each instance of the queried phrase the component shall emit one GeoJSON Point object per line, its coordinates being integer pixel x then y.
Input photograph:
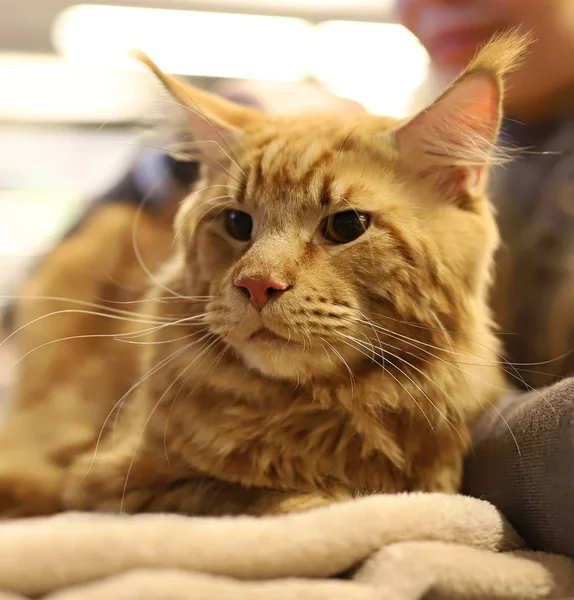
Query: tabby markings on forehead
{"type": "Point", "coordinates": [325, 198]}
{"type": "Point", "coordinates": [241, 193]}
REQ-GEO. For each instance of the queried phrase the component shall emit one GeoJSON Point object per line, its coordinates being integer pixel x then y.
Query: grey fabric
{"type": "Point", "coordinates": [522, 461]}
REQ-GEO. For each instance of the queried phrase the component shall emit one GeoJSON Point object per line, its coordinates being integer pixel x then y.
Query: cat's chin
{"type": "Point", "coordinates": [279, 359]}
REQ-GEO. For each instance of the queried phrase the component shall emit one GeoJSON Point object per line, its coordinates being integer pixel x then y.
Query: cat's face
{"type": "Point", "coordinates": [315, 248]}
{"type": "Point", "coordinates": [332, 241]}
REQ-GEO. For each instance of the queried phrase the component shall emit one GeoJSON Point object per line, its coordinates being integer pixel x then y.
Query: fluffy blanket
{"type": "Point", "coordinates": [396, 547]}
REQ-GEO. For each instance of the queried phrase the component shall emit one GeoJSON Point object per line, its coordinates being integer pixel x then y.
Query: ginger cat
{"type": "Point", "coordinates": [320, 329]}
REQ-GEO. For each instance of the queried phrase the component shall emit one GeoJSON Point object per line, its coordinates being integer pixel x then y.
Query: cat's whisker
{"type": "Point", "coordinates": [418, 343]}
{"type": "Point", "coordinates": [188, 391]}
{"type": "Point", "coordinates": [201, 114]}
{"type": "Point", "coordinates": [168, 341]}
{"type": "Point", "coordinates": [420, 346]}
{"type": "Point", "coordinates": [126, 335]}
{"type": "Point", "coordinates": [450, 333]}
{"type": "Point", "coordinates": [115, 336]}
{"type": "Point", "coordinates": [410, 323]}
{"type": "Point", "coordinates": [322, 339]}
{"type": "Point", "coordinates": [182, 155]}
{"type": "Point", "coordinates": [421, 372]}
{"type": "Point", "coordinates": [151, 413]}
{"type": "Point", "coordinates": [161, 300]}
{"type": "Point", "coordinates": [165, 361]}
{"type": "Point", "coordinates": [515, 373]}
{"type": "Point", "coordinates": [136, 248]}
{"type": "Point", "coordinates": [371, 347]}
{"type": "Point", "coordinates": [385, 370]}
{"type": "Point", "coordinates": [450, 342]}
{"type": "Point", "coordinates": [85, 303]}
{"type": "Point", "coordinates": [73, 311]}
{"type": "Point", "coordinates": [220, 205]}
{"type": "Point", "coordinates": [165, 451]}
{"type": "Point", "coordinates": [458, 364]}
{"type": "Point", "coordinates": [371, 325]}
{"type": "Point", "coordinates": [298, 380]}
{"type": "Point", "coordinates": [483, 361]}
{"type": "Point", "coordinates": [352, 376]}
{"type": "Point", "coordinates": [450, 364]}
{"type": "Point", "coordinates": [182, 321]}
{"type": "Point", "coordinates": [221, 209]}
{"type": "Point", "coordinates": [306, 336]}
{"type": "Point", "coordinates": [507, 424]}
{"type": "Point", "coordinates": [307, 332]}
{"type": "Point", "coordinates": [227, 154]}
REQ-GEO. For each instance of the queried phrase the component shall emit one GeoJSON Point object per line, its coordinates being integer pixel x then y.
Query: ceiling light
{"type": "Point", "coordinates": [49, 88]}
{"type": "Point", "coordinates": [376, 64]}
{"type": "Point", "coordinates": [185, 42]}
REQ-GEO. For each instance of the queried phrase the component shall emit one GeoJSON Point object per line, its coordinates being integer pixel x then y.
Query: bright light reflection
{"type": "Point", "coordinates": [50, 88]}
{"type": "Point", "coordinates": [377, 64]}
{"type": "Point", "coordinates": [185, 42]}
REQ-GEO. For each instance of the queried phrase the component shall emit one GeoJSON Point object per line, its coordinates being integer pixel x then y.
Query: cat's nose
{"type": "Point", "coordinates": [260, 290]}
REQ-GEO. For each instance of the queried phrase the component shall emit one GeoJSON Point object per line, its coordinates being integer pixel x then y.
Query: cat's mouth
{"type": "Point", "coordinates": [267, 336]}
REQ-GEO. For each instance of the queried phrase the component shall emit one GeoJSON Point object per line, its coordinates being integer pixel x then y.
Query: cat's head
{"type": "Point", "coordinates": [326, 241]}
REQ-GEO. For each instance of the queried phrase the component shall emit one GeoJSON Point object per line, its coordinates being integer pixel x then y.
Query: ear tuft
{"type": "Point", "coordinates": [454, 139]}
{"type": "Point", "coordinates": [213, 122]}
{"type": "Point", "coordinates": [503, 53]}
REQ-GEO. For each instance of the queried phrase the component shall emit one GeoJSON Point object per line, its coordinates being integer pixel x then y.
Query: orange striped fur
{"type": "Point", "coordinates": [388, 353]}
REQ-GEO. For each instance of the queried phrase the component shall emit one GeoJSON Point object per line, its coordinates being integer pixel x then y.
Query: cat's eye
{"type": "Point", "coordinates": [345, 227]}
{"type": "Point", "coordinates": [238, 225]}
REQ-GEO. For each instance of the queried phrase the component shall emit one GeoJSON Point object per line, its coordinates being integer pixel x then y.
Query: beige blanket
{"type": "Point", "coordinates": [395, 547]}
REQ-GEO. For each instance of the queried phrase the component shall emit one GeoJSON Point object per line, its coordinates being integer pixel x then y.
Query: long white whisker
{"type": "Point", "coordinates": [184, 320]}
{"type": "Point", "coordinates": [137, 251]}
{"type": "Point", "coordinates": [395, 378]}
{"type": "Point", "coordinates": [169, 341]}
{"type": "Point", "coordinates": [101, 307]}
{"type": "Point", "coordinates": [151, 372]}
{"type": "Point", "coordinates": [149, 417]}
{"type": "Point", "coordinates": [340, 356]}
{"type": "Point", "coordinates": [74, 311]}
{"type": "Point", "coordinates": [420, 371]}
{"type": "Point", "coordinates": [485, 362]}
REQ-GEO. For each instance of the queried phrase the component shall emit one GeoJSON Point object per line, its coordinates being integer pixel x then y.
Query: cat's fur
{"type": "Point", "coordinates": [388, 352]}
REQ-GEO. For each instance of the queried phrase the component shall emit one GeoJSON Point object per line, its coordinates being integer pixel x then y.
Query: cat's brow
{"type": "Point", "coordinates": [325, 195]}
{"type": "Point", "coordinates": [337, 201]}
{"type": "Point", "coordinates": [242, 188]}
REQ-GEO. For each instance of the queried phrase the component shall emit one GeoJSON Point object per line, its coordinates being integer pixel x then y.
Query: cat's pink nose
{"type": "Point", "coordinates": [260, 291]}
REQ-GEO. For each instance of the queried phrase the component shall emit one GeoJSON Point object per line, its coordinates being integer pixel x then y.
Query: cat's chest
{"type": "Point", "coordinates": [294, 444]}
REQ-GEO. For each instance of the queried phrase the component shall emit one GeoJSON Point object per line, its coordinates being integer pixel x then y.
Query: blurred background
{"type": "Point", "coordinates": [73, 104]}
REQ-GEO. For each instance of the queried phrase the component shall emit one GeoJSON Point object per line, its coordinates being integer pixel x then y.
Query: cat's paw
{"type": "Point", "coordinates": [108, 482]}
{"type": "Point", "coordinates": [293, 503]}
{"type": "Point", "coordinates": [92, 484]}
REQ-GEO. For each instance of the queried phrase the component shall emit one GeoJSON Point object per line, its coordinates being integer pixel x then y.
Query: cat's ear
{"type": "Point", "coordinates": [212, 122]}
{"type": "Point", "coordinates": [454, 139]}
